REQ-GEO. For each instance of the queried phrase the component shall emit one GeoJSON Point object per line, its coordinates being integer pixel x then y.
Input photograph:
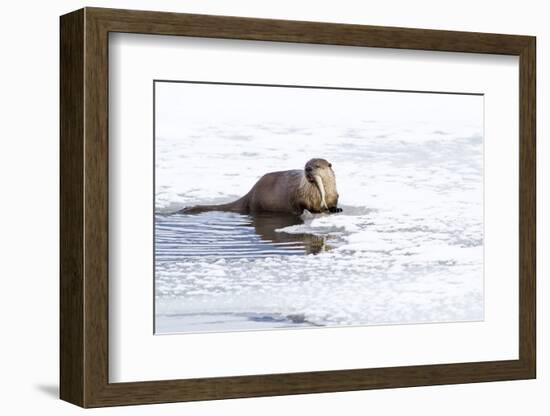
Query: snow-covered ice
{"type": "Point", "coordinates": [407, 248]}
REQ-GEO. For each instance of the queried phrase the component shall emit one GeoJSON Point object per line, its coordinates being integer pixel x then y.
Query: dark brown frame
{"type": "Point", "coordinates": [84, 209]}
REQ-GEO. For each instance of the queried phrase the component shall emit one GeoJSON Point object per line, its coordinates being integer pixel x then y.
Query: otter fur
{"type": "Point", "coordinates": [286, 192]}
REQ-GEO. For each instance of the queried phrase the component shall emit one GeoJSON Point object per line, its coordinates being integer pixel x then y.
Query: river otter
{"type": "Point", "coordinates": [287, 192]}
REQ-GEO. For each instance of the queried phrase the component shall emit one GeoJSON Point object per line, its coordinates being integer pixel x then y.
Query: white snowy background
{"type": "Point", "coordinates": [407, 248]}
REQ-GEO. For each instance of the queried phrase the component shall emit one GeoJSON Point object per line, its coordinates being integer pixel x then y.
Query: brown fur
{"type": "Point", "coordinates": [288, 192]}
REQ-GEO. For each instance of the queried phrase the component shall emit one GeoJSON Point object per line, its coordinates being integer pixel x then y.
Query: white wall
{"type": "Point", "coordinates": [29, 208]}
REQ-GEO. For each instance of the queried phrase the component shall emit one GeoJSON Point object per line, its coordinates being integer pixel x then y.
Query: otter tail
{"type": "Point", "coordinates": [240, 206]}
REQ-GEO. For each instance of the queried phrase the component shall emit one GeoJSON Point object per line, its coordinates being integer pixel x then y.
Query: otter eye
{"type": "Point", "coordinates": [317, 166]}
{"type": "Point", "coordinates": [330, 165]}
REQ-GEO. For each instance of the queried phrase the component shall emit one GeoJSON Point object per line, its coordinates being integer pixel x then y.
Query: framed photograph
{"type": "Point", "coordinates": [255, 207]}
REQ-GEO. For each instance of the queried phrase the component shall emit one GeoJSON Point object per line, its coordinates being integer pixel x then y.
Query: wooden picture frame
{"type": "Point", "coordinates": [84, 207]}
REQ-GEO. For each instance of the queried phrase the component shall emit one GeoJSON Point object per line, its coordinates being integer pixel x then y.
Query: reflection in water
{"type": "Point", "coordinates": [230, 235]}
{"type": "Point", "coordinates": [266, 226]}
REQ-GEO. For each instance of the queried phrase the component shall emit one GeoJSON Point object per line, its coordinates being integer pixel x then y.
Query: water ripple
{"type": "Point", "coordinates": [227, 235]}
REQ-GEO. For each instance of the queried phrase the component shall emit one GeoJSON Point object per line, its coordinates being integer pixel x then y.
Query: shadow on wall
{"type": "Point", "coordinates": [49, 390]}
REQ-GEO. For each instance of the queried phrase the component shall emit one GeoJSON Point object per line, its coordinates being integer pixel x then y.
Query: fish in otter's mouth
{"type": "Point", "coordinates": [321, 187]}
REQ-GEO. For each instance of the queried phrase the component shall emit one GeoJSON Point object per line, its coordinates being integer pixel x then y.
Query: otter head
{"type": "Point", "coordinates": [319, 172]}
{"type": "Point", "coordinates": [318, 167]}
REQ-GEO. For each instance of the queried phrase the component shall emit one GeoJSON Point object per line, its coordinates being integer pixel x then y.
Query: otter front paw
{"type": "Point", "coordinates": [335, 209]}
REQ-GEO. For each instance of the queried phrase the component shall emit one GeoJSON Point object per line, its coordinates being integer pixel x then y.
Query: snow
{"type": "Point", "coordinates": [407, 248]}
